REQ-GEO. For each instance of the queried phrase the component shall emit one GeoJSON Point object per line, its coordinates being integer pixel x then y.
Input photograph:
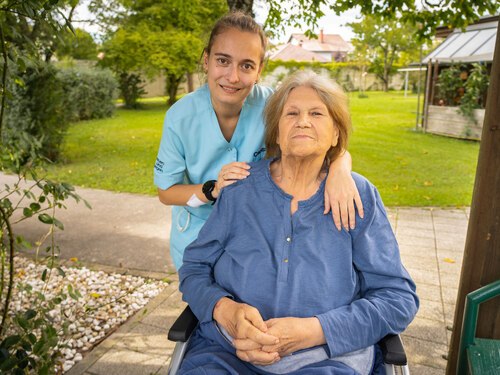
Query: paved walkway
{"type": "Point", "coordinates": [129, 233]}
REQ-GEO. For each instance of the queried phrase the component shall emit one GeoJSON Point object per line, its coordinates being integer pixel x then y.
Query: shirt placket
{"type": "Point", "coordinates": [287, 241]}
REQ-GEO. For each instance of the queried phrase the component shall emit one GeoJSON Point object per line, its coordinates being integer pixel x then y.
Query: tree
{"type": "Point", "coordinates": [455, 13]}
{"type": "Point", "coordinates": [78, 45]}
{"type": "Point", "coordinates": [161, 36]}
{"type": "Point", "coordinates": [382, 43]}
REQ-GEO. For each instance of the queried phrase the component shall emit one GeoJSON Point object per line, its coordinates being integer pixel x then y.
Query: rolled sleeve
{"type": "Point", "coordinates": [197, 282]}
{"type": "Point", "coordinates": [170, 165]}
{"type": "Point", "coordinates": [388, 300]}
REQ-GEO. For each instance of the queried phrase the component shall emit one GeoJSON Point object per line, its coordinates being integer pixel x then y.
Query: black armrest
{"type": "Point", "coordinates": [183, 326]}
{"type": "Point", "coordinates": [393, 350]}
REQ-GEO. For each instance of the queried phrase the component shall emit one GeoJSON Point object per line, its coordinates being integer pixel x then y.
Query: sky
{"type": "Point", "coordinates": [330, 23]}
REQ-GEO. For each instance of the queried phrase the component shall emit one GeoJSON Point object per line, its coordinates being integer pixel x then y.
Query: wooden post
{"type": "Point", "coordinates": [481, 263]}
{"type": "Point", "coordinates": [427, 95]}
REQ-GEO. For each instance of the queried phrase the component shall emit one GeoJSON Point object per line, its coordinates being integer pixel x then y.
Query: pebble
{"type": "Point", "coordinates": [107, 301]}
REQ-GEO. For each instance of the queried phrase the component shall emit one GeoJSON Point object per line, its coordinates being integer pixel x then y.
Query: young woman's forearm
{"type": "Point", "coordinates": [343, 162]}
{"type": "Point", "coordinates": [179, 195]}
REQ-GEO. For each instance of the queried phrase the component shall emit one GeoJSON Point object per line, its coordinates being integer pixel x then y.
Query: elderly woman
{"type": "Point", "coordinates": [276, 289]}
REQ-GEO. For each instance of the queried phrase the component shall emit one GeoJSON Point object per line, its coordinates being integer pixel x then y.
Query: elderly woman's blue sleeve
{"type": "Point", "coordinates": [388, 300]}
{"type": "Point", "coordinates": [197, 283]}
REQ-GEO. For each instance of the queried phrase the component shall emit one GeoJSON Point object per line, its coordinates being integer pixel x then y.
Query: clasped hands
{"type": "Point", "coordinates": [265, 342]}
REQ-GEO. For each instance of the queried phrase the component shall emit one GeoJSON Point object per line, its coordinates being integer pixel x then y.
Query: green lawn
{"type": "Point", "coordinates": [408, 167]}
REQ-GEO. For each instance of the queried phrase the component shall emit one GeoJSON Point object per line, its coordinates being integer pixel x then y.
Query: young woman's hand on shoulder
{"type": "Point", "coordinates": [229, 174]}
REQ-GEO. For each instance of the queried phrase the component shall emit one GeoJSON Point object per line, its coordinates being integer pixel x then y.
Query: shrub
{"type": "Point", "coordinates": [450, 85]}
{"type": "Point", "coordinates": [36, 113]}
{"type": "Point", "coordinates": [475, 91]}
{"type": "Point", "coordinates": [131, 89]}
{"type": "Point", "coordinates": [90, 93]}
{"type": "Point", "coordinates": [45, 100]}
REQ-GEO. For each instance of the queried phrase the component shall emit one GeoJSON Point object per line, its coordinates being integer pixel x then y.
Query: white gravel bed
{"type": "Point", "coordinates": [107, 300]}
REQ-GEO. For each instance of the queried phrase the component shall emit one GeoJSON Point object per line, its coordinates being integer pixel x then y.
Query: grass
{"type": "Point", "coordinates": [408, 167]}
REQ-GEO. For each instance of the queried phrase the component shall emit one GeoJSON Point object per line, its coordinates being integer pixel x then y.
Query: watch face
{"type": "Point", "coordinates": [207, 189]}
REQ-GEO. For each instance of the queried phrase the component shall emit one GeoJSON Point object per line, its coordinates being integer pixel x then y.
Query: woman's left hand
{"type": "Point", "coordinates": [294, 334]}
{"type": "Point", "coordinates": [341, 194]}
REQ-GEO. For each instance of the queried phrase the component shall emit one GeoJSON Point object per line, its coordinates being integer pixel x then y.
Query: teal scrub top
{"type": "Point", "coordinates": [193, 151]}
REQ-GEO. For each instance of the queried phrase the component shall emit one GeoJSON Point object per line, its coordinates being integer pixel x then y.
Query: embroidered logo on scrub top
{"type": "Point", "coordinates": [159, 165]}
{"type": "Point", "coordinates": [258, 155]}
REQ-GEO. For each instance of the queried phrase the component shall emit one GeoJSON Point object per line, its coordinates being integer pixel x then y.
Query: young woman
{"type": "Point", "coordinates": [211, 134]}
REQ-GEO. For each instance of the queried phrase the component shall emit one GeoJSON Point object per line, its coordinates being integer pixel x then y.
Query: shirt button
{"type": "Point", "coordinates": [286, 260]}
{"type": "Point", "coordinates": [288, 239]}
{"type": "Point", "coordinates": [229, 149]}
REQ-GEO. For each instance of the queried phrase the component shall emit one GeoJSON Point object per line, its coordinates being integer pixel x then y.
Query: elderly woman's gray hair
{"type": "Point", "coordinates": [330, 94]}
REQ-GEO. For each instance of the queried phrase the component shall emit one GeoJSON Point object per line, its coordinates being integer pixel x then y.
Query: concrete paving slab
{"type": "Point", "coordinates": [431, 310]}
{"type": "Point", "coordinates": [427, 329]}
{"type": "Point", "coordinates": [426, 353]}
{"type": "Point", "coordinates": [422, 276]}
{"type": "Point", "coordinates": [120, 362]}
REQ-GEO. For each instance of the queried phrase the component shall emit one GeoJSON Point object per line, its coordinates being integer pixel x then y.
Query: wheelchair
{"type": "Point", "coordinates": [393, 352]}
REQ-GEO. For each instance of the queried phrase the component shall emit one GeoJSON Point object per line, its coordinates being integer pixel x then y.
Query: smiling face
{"type": "Point", "coordinates": [233, 66]}
{"type": "Point", "coordinates": [306, 128]}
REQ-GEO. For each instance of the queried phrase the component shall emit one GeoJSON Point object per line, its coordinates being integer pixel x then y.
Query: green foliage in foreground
{"type": "Point", "coordinates": [408, 167]}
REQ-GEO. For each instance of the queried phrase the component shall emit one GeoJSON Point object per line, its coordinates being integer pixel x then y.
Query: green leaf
{"type": "Point", "coordinates": [35, 206]}
{"type": "Point", "coordinates": [58, 224]}
{"type": "Point", "coordinates": [32, 338]}
{"type": "Point", "coordinates": [27, 212]}
{"type": "Point", "coordinates": [44, 274]}
{"type": "Point", "coordinates": [46, 219]}
{"type": "Point", "coordinates": [61, 272]}
{"type": "Point", "coordinates": [23, 323]}
{"type": "Point", "coordinates": [29, 314]}
{"type": "Point", "coordinates": [38, 347]}
{"type": "Point", "coordinates": [10, 341]}
{"type": "Point", "coordinates": [8, 364]}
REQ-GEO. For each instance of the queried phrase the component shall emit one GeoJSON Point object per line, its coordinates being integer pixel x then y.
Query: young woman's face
{"type": "Point", "coordinates": [233, 66]}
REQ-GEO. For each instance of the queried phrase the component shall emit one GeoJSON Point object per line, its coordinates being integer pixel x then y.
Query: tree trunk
{"type": "Point", "coordinates": [172, 85]}
{"type": "Point", "coordinates": [481, 262]}
{"type": "Point", "coordinates": [190, 82]}
{"type": "Point", "coordinates": [245, 6]}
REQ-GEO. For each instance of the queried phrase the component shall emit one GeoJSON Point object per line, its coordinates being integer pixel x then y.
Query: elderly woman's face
{"type": "Point", "coordinates": [306, 127]}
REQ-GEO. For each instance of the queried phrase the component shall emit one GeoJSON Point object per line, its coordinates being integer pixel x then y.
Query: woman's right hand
{"type": "Point", "coordinates": [248, 330]}
{"type": "Point", "coordinates": [229, 174]}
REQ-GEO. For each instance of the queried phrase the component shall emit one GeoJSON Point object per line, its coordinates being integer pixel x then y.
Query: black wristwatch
{"type": "Point", "coordinates": [207, 189]}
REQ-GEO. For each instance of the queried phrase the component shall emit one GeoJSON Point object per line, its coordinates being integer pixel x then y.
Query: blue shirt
{"type": "Point", "coordinates": [254, 251]}
{"type": "Point", "coordinates": [193, 150]}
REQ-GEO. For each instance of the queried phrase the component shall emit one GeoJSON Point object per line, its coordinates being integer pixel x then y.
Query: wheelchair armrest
{"type": "Point", "coordinates": [393, 350]}
{"type": "Point", "coordinates": [183, 326]}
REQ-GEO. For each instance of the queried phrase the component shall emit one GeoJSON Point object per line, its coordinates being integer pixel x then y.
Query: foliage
{"type": "Point", "coordinates": [37, 107]}
{"type": "Point", "coordinates": [336, 70]}
{"type": "Point", "coordinates": [31, 343]}
{"type": "Point", "coordinates": [46, 99]}
{"type": "Point", "coordinates": [450, 85]}
{"type": "Point", "coordinates": [463, 86]}
{"type": "Point", "coordinates": [88, 93]}
{"type": "Point", "coordinates": [79, 46]}
{"type": "Point", "coordinates": [475, 91]}
{"type": "Point", "coordinates": [382, 42]}
{"type": "Point", "coordinates": [28, 31]}
{"type": "Point", "coordinates": [384, 147]}
{"type": "Point", "coordinates": [155, 37]}
{"type": "Point", "coordinates": [427, 14]}
{"type": "Point", "coordinates": [131, 88]}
